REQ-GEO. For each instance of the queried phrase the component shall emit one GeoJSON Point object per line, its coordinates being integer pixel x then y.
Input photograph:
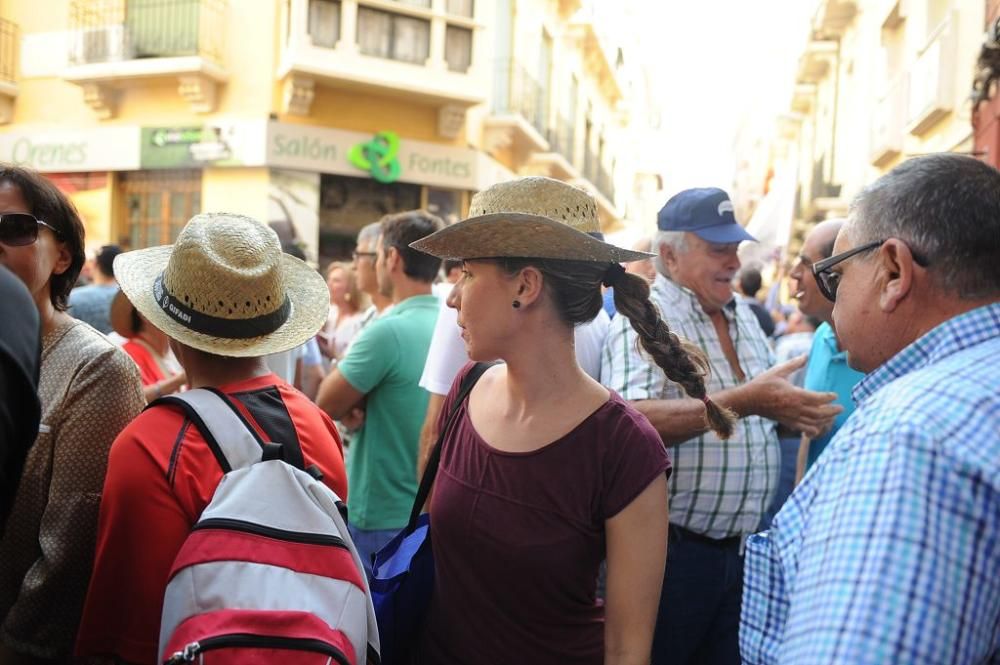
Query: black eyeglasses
{"type": "Point", "coordinates": [827, 281]}
{"type": "Point", "coordinates": [18, 229]}
{"type": "Point", "coordinates": [357, 255]}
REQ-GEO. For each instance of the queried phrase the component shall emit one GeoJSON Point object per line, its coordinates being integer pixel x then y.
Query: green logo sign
{"type": "Point", "coordinates": [378, 157]}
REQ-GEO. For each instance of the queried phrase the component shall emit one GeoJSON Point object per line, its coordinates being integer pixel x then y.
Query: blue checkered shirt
{"type": "Point", "coordinates": [889, 550]}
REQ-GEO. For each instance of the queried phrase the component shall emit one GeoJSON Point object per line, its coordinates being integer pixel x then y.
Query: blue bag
{"type": "Point", "coordinates": [403, 571]}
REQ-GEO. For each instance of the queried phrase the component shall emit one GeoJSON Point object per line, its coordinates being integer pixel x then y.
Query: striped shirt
{"type": "Point", "coordinates": [718, 488]}
{"type": "Point", "coordinates": [889, 550]}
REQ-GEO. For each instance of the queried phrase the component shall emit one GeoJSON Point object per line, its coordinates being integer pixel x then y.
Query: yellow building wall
{"type": "Point", "coordinates": [49, 98]}
{"type": "Point", "coordinates": [370, 113]}
{"type": "Point", "coordinates": [95, 206]}
{"type": "Point", "coordinates": [239, 190]}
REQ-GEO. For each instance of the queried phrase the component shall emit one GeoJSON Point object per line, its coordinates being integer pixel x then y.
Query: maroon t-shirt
{"type": "Point", "coordinates": [518, 538]}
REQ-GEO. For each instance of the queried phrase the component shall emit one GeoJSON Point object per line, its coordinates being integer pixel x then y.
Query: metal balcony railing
{"type": "Point", "coordinates": [819, 187]}
{"type": "Point", "coordinates": [116, 30]}
{"type": "Point", "coordinates": [590, 162]}
{"type": "Point", "coordinates": [517, 92]}
{"type": "Point", "coordinates": [560, 136]}
{"type": "Point", "coordinates": [605, 183]}
{"type": "Point", "coordinates": [8, 51]}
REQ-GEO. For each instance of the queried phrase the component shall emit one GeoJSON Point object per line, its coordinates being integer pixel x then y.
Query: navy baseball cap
{"type": "Point", "coordinates": [706, 212]}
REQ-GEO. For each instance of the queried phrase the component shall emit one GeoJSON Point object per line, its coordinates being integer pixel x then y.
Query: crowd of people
{"type": "Point", "coordinates": [617, 489]}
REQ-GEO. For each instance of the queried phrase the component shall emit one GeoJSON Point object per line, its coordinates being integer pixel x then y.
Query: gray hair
{"type": "Point", "coordinates": [676, 240]}
{"type": "Point", "coordinates": [946, 208]}
{"type": "Point", "coordinates": [370, 232]}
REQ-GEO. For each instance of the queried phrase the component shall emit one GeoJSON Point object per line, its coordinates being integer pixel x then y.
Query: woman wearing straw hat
{"type": "Point", "coordinates": [545, 472]}
{"type": "Point", "coordinates": [149, 347]}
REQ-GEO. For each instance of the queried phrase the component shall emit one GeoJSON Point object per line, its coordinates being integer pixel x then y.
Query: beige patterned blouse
{"type": "Point", "coordinates": [89, 390]}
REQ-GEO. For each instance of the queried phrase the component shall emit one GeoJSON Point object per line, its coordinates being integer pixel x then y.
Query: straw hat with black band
{"type": "Point", "coordinates": [225, 287]}
{"type": "Point", "coordinates": [533, 217]}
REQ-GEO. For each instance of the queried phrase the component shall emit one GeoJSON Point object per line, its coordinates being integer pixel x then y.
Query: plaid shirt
{"type": "Point", "coordinates": [889, 551]}
{"type": "Point", "coordinates": [718, 488]}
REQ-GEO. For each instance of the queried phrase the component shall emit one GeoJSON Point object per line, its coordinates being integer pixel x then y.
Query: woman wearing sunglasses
{"type": "Point", "coordinates": [89, 390]}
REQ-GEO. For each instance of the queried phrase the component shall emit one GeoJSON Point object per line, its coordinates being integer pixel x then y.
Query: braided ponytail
{"type": "Point", "coordinates": [575, 287]}
{"type": "Point", "coordinates": [682, 362]}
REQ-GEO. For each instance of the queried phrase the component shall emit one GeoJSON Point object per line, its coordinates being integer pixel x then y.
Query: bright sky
{"type": "Point", "coordinates": [717, 62]}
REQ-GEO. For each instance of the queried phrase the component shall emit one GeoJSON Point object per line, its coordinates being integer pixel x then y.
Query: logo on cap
{"type": "Point", "coordinates": [724, 207]}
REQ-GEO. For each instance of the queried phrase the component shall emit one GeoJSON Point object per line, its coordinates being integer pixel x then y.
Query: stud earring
{"type": "Point", "coordinates": [516, 304]}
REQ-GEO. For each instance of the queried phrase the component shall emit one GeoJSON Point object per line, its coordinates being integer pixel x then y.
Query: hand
{"type": "Point", "coordinates": [773, 396]}
{"type": "Point", "coordinates": [353, 419]}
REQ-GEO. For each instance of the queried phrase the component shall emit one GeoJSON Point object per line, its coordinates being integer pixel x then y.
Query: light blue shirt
{"type": "Point", "coordinates": [827, 371]}
{"type": "Point", "coordinates": [889, 550]}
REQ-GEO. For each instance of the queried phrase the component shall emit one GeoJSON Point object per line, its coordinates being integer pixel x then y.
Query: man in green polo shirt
{"type": "Point", "coordinates": [380, 374]}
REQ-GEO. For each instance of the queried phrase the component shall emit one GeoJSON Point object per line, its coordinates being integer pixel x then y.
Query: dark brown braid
{"type": "Point", "coordinates": [682, 362]}
{"type": "Point", "coordinates": [575, 290]}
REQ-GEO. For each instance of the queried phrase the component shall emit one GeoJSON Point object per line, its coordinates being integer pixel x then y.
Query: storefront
{"type": "Point", "coordinates": [316, 186]}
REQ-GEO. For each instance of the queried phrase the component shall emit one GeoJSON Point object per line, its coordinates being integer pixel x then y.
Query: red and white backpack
{"type": "Point", "coordinates": [269, 573]}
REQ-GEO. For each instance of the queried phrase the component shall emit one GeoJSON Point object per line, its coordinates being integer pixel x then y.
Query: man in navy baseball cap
{"type": "Point", "coordinates": [706, 212]}
{"type": "Point", "coordinates": [711, 508]}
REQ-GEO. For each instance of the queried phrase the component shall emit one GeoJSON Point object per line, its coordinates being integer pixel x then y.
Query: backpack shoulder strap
{"type": "Point", "coordinates": [229, 436]}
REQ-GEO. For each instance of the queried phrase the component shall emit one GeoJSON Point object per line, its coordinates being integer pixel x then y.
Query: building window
{"type": "Point", "coordinates": [157, 205]}
{"type": "Point", "coordinates": [458, 48]}
{"type": "Point", "coordinates": [386, 35]}
{"type": "Point", "coordinates": [416, 3]}
{"type": "Point", "coordinates": [324, 22]}
{"type": "Point", "coordinates": [461, 7]}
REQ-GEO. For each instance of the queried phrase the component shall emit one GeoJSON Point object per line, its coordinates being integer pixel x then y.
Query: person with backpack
{"type": "Point", "coordinates": [544, 473]}
{"type": "Point", "coordinates": [226, 296]}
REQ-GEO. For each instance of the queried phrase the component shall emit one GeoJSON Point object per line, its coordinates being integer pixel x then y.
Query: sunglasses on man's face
{"type": "Point", "coordinates": [18, 229]}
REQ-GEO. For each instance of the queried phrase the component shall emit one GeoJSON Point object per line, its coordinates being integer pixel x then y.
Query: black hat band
{"type": "Point", "coordinates": [216, 326]}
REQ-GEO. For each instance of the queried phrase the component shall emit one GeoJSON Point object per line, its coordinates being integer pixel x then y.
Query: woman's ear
{"type": "Point", "coordinates": [529, 284]}
{"type": "Point", "coordinates": [64, 258]}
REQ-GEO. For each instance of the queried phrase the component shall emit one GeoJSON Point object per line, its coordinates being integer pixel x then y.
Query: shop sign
{"type": "Point", "coordinates": [60, 151]}
{"type": "Point", "coordinates": [212, 144]}
{"type": "Point", "coordinates": [378, 157]}
{"type": "Point", "coordinates": [384, 157]}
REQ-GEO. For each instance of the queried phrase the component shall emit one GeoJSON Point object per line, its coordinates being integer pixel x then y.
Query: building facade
{"type": "Point", "coordinates": [318, 116]}
{"type": "Point", "coordinates": [878, 81]}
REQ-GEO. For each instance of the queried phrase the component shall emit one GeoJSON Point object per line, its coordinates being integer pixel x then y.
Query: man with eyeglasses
{"type": "Point", "coordinates": [380, 376]}
{"type": "Point", "coordinates": [888, 551]}
{"type": "Point", "coordinates": [364, 267]}
{"type": "Point", "coordinates": [827, 369]}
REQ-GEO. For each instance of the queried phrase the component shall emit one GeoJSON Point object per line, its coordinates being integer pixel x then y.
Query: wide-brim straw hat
{"type": "Point", "coordinates": [533, 217]}
{"type": "Point", "coordinates": [225, 287]}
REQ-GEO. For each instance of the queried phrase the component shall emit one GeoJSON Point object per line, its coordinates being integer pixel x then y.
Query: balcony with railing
{"type": "Point", "coordinates": [832, 17]}
{"type": "Point", "coordinates": [557, 161]}
{"type": "Point", "coordinates": [10, 43]}
{"type": "Point", "coordinates": [931, 93]}
{"type": "Point", "coordinates": [598, 180]}
{"type": "Point", "coordinates": [824, 194]}
{"type": "Point", "coordinates": [605, 183]}
{"type": "Point", "coordinates": [420, 51]}
{"type": "Point", "coordinates": [518, 115]}
{"type": "Point", "coordinates": [119, 44]}
{"type": "Point", "coordinates": [888, 124]}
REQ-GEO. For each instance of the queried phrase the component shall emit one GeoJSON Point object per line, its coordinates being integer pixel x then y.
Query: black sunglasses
{"type": "Point", "coordinates": [357, 255]}
{"type": "Point", "coordinates": [827, 281]}
{"type": "Point", "coordinates": [18, 229]}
